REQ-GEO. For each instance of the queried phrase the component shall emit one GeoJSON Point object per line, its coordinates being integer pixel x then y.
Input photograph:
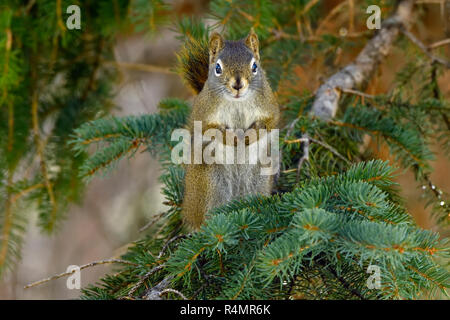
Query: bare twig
{"type": "Point", "coordinates": [331, 149]}
{"type": "Point", "coordinates": [154, 293]}
{"type": "Point", "coordinates": [358, 73]}
{"type": "Point", "coordinates": [439, 43]}
{"type": "Point", "coordinates": [173, 291]}
{"type": "Point", "coordinates": [358, 93]}
{"type": "Point", "coordinates": [323, 144]}
{"type": "Point", "coordinates": [330, 15]}
{"type": "Point", "coordinates": [25, 191]}
{"type": "Point", "coordinates": [144, 278]}
{"type": "Point", "coordinates": [430, 1]}
{"type": "Point", "coordinates": [308, 6]}
{"type": "Point", "coordinates": [305, 155]}
{"type": "Point", "coordinates": [92, 264]}
{"type": "Point", "coordinates": [29, 5]}
{"type": "Point", "coordinates": [59, 16]}
{"type": "Point", "coordinates": [199, 290]}
{"type": "Point", "coordinates": [425, 49]}
{"type": "Point", "coordinates": [152, 222]}
{"type": "Point", "coordinates": [437, 94]}
{"type": "Point", "coordinates": [299, 140]}
{"type": "Point", "coordinates": [139, 67]}
{"type": "Point", "coordinates": [166, 245]}
{"type": "Point", "coordinates": [351, 7]}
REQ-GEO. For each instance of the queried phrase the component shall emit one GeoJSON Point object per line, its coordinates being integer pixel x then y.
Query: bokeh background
{"type": "Point", "coordinates": [117, 206]}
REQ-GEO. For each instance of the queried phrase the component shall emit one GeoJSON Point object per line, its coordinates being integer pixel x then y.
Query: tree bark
{"type": "Point", "coordinates": [358, 73]}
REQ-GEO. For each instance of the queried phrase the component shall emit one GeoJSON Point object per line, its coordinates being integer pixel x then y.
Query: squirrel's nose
{"type": "Point", "coordinates": [238, 84]}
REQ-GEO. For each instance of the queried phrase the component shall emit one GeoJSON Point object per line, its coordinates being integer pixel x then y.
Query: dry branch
{"type": "Point", "coordinates": [155, 292]}
{"type": "Point", "coordinates": [356, 74]}
{"type": "Point", "coordinates": [64, 274]}
{"type": "Point", "coordinates": [139, 67]}
{"type": "Point", "coordinates": [425, 49]}
{"type": "Point", "coordinates": [144, 278]}
{"type": "Point", "coordinates": [173, 291]}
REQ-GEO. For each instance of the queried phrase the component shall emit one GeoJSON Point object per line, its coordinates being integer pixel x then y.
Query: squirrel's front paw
{"type": "Point", "coordinates": [252, 133]}
{"type": "Point", "coordinates": [257, 125]}
{"type": "Point", "coordinates": [219, 133]}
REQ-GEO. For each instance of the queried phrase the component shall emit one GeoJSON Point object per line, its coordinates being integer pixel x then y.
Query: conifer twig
{"type": "Point", "coordinates": [9, 39]}
{"type": "Point", "coordinates": [59, 16]}
{"type": "Point", "coordinates": [345, 284]}
{"type": "Point", "coordinates": [7, 224]}
{"type": "Point", "coordinates": [22, 193]}
{"type": "Point", "coordinates": [40, 150]}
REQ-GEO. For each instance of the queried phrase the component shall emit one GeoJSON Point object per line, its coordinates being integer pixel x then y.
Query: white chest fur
{"type": "Point", "coordinates": [237, 114]}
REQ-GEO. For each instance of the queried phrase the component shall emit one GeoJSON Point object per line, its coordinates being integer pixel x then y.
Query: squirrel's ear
{"type": "Point", "coordinates": [253, 43]}
{"type": "Point", "coordinates": [216, 44]}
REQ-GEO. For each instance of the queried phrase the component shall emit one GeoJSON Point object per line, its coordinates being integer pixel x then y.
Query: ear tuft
{"type": "Point", "coordinates": [216, 43]}
{"type": "Point", "coordinates": [253, 43]}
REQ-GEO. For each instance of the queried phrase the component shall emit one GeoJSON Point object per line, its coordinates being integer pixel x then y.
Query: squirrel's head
{"type": "Point", "coordinates": [234, 66]}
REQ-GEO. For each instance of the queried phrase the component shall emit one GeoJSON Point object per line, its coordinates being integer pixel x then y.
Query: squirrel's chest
{"type": "Point", "coordinates": [236, 114]}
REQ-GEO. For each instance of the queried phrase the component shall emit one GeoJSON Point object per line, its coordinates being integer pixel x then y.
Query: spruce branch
{"type": "Point", "coordinates": [344, 283]}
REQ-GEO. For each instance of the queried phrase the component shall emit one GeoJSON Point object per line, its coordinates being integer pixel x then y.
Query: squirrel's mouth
{"type": "Point", "coordinates": [238, 94]}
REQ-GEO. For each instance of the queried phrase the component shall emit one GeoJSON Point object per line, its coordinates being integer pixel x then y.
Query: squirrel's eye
{"type": "Point", "coordinates": [218, 69]}
{"type": "Point", "coordinates": [254, 68]}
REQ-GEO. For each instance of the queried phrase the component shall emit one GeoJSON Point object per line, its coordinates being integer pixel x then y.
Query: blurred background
{"type": "Point", "coordinates": [115, 207]}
